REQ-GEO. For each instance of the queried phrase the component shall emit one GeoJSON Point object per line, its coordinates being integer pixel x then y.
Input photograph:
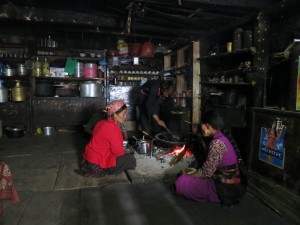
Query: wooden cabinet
{"type": "Point", "coordinates": [16, 114]}
{"type": "Point", "coordinates": [51, 110]}
{"type": "Point", "coordinates": [63, 111]}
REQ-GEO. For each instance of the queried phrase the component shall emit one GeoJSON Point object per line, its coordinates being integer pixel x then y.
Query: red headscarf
{"type": "Point", "coordinates": [114, 106]}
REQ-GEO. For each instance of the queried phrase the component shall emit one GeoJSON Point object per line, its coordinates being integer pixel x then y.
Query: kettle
{"type": "Point", "coordinates": [18, 92]}
{"type": "Point", "coordinates": [143, 146]}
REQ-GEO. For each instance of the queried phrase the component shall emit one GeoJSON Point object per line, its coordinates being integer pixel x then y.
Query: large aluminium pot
{"type": "Point", "coordinates": [90, 89]}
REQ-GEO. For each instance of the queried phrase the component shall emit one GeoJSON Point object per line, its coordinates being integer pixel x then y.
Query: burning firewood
{"type": "Point", "coordinates": [178, 157]}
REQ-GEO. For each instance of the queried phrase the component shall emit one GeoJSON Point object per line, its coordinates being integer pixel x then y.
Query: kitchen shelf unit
{"type": "Point", "coordinates": [125, 72]}
{"type": "Point", "coordinates": [229, 75]}
{"type": "Point", "coordinates": [38, 111]}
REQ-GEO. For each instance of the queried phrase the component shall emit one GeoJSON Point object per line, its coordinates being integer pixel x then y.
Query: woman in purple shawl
{"type": "Point", "coordinates": [218, 179]}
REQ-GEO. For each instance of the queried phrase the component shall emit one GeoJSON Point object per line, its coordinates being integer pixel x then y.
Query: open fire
{"type": "Point", "coordinates": [175, 155]}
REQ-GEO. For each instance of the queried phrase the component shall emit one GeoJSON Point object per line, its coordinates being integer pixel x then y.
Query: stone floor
{"type": "Point", "coordinates": [51, 193]}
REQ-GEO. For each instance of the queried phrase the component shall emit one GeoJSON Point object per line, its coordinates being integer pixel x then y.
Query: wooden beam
{"type": "Point", "coordinates": [240, 3]}
{"type": "Point", "coordinates": [196, 84]}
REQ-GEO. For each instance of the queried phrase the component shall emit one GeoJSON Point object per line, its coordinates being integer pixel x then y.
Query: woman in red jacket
{"type": "Point", "coordinates": [104, 154]}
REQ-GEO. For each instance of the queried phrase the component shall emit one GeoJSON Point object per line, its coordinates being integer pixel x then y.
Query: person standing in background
{"type": "Point", "coordinates": [151, 98]}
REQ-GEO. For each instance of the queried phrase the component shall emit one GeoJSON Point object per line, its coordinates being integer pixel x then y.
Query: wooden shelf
{"type": "Point", "coordinates": [229, 54]}
{"type": "Point", "coordinates": [66, 79]}
{"type": "Point", "coordinates": [67, 98]}
{"type": "Point", "coordinates": [176, 69]}
{"type": "Point", "coordinates": [226, 84]}
{"type": "Point", "coordinates": [235, 71]}
{"type": "Point", "coordinates": [14, 77]}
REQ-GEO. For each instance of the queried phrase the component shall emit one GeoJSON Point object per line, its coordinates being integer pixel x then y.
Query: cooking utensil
{"type": "Point", "coordinates": [9, 71]}
{"type": "Point", "coordinates": [44, 90]}
{"type": "Point", "coordinates": [48, 131]}
{"type": "Point", "coordinates": [191, 122]}
{"type": "Point", "coordinates": [173, 136]}
{"type": "Point", "coordinates": [22, 70]}
{"type": "Point", "coordinates": [143, 146]}
{"type": "Point", "coordinates": [148, 134]}
{"type": "Point", "coordinates": [14, 132]}
{"type": "Point", "coordinates": [90, 89]}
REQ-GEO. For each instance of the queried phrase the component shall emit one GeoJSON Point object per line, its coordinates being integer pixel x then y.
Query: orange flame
{"type": "Point", "coordinates": [179, 149]}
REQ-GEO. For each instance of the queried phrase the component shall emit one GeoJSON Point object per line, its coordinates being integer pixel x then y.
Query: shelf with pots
{"type": "Point", "coordinates": [238, 53]}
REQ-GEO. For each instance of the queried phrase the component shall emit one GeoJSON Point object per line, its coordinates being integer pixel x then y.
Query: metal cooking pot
{"type": "Point", "coordinates": [9, 71]}
{"type": "Point", "coordinates": [14, 132]}
{"type": "Point", "coordinates": [22, 70]}
{"type": "Point", "coordinates": [48, 131]}
{"type": "Point", "coordinates": [143, 146]}
{"type": "Point", "coordinates": [90, 89]}
{"type": "Point", "coordinates": [44, 90]}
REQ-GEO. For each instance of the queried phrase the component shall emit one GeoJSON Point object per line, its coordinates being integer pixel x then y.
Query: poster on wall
{"type": "Point", "coordinates": [271, 149]}
{"type": "Point", "coordinates": [298, 87]}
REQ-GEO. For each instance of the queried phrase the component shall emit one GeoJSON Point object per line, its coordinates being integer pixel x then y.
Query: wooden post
{"type": "Point", "coordinates": [180, 81]}
{"type": "Point", "coordinates": [196, 84]}
{"type": "Point", "coordinates": [167, 61]}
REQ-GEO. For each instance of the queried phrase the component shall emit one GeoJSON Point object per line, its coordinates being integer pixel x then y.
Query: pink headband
{"type": "Point", "coordinates": [114, 106]}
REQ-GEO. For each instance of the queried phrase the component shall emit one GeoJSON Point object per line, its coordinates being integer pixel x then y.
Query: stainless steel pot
{"type": "Point", "coordinates": [9, 71]}
{"type": "Point", "coordinates": [90, 89]}
{"type": "Point", "coordinates": [48, 131]}
{"type": "Point", "coordinates": [22, 70]}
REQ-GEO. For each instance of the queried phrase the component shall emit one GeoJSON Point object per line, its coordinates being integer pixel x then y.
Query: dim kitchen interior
{"type": "Point", "coordinates": [62, 61]}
